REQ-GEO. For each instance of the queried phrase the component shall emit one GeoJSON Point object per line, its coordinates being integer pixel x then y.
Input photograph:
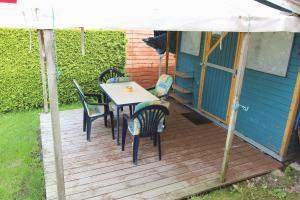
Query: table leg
{"type": "Point", "coordinates": [118, 125]}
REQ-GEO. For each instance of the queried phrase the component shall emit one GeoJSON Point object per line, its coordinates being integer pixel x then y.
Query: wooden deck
{"type": "Point", "coordinates": [191, 160]}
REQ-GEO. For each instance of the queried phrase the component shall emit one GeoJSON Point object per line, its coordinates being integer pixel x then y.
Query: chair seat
{"type": "Point", "coordinates": [95, 110]}
{"type": "Point", "coordinates": [135, 129]}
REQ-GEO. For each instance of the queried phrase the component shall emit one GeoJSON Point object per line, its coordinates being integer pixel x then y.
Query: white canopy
{"type": "Point", "coordinates": [186, 15]}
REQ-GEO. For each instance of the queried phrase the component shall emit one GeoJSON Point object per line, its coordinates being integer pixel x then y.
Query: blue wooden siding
{"type": "Point", "coordinates": [217, 82]}
{"type": "Point", "coordinates": [191, 65]}
{"type": "Point", "coordinates": [269, 98]}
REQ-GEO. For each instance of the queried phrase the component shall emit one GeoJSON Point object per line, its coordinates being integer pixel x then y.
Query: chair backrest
{"type": "Point", "coordinates": [108, 74]}
{"type": "Point", "coordinates": [118, 80]}
{"type": "Point", "coordinates": [149, 119]}
{"type": "Point", "coordinates": [163, 85]}
{"type": "Point", "coordinates": [81, 95]}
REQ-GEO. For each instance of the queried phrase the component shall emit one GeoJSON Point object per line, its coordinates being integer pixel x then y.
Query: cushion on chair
{"type": "Point", "coordinates": [134, 125]}
{"type": "Point", "coordinates": [95, 110]}
{"type": "Point", "coordinates": [118, 80]}
{"type": "Point", "coordinates": [163, 85]}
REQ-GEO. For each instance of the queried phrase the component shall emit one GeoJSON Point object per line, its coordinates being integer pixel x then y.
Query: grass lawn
{"type": "Point", "coordinates": [21, 172]}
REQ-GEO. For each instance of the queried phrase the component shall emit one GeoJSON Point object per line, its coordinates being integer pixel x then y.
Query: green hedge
{"type": "Point", "coordinates": [20, 82]}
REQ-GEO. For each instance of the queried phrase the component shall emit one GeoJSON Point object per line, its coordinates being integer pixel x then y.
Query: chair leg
{"type": "Point", "coordinates": [112, 124]}
{"type": "Point", "coordinates": [130, 110]}
{"type": "Point", "coordinates": [159, 147]}
{"type": "Point", "coordinates": [136, 140]}
{"type": "Point", "coordinates": [105, 120]}
{"type": "Point", "coordinates": [84, 121]}
{"type": "Point", "coordinates": [124, 131]}
{"type": "Point", "coordinates": [89, 127]}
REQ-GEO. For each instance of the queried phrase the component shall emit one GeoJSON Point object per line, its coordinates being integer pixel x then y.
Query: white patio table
{"type": "Point", "coordinates": [121, 96]}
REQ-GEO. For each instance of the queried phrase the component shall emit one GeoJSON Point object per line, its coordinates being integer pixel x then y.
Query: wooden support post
{"type": "Point", "coordinates": [55, 119]}
{"type": "Point", "coordinates": [82, 41]}
{"type": "Point", "coordinates": [42, 63]}
{"type": "Point", "coordinates": [167, 52]}
{"type": "Point", "coordinates": [176, 57]}
{"type": "Point", "coordinates": [234, 110]}
{"type": "Point", "coordinates": [291, 118]}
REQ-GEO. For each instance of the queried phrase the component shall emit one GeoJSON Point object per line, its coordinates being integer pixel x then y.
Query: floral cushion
{"type": "Point", "coordinates": [95, 110]}
{"type": "Point", "coordinates": [134, 125]}
{"type": "Point", "coordinates": [118, 80]}
{"type": "Point", "coordinates": [163, 85]}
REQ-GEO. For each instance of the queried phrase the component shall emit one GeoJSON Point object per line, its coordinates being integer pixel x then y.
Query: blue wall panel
{"type": "Point", "coordinates": [191, 65]}
{"type": "Point", "coordinates": [269, 98]}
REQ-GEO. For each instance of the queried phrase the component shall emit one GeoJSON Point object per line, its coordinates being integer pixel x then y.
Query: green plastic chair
{"type": "Point", "coordinates": [93, 111]}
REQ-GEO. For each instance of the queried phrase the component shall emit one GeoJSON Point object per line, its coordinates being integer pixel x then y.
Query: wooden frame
{"type": "Point", "coordinates": [207, 51]}
{"type": "Point", "coordinates": [291, 118]}
{"type": "Point", "coordinates": [176, 58]}
{"type": "Point", "coordinates": [203, 69]}
{"type": "Point", "coordinates": [167, 52]}
{"type": "Point", "coordinates": [233, 79]}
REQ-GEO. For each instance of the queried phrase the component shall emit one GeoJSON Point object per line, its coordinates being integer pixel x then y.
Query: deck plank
{"type": "Point", "coordinates": [191, 160]}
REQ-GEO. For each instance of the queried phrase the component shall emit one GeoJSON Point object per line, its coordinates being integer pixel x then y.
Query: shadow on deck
{"type": "Point", "coordinates": [191, 160]}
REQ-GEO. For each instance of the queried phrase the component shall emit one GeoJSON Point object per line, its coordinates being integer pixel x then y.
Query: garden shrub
{"type": "Point", "coordinates": [20, 82]}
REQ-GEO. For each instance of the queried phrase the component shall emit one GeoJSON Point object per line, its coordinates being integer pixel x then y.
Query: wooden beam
{"type": "Point", "coordinates": [43, 75]}
{"type": "Point", "coordinates": [233, 79]}
{"type": "Point", "coordinates": [203, 68]}
{"type": "Point", "coordinates": [167, 52]}
{"type": "Point", "coordinates": [223, 35]}
{"type": "Point", "coordinates": [82, 41]}
{"type": "Point", "coordinates": [176, 58]}
{"type": "Point", "coordinates": [291, 118]}
{"type": "Point", "coordinates": [55, 118]}
{"type": "Point", "coordinates": [234, 110]}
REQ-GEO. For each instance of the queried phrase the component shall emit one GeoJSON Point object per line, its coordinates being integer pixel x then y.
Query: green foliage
{"type": "Point", "coordinates": [278, 194]}
{"type": "Point", "coordinates": [20, 82]}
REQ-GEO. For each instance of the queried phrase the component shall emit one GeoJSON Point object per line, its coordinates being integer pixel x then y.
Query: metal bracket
{"type": "Point", "coordinates": [237, 106]}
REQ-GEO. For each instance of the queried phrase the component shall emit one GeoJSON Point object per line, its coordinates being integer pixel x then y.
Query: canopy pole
{"type": "Point", "coordinates": [55, 118]}
{"type": "Point", "coordinates": [42, 63]}
{"type": "Point", "coordinates": [167, 51]}
{"type": "Point", "coordinates": [234, 109]}
{"type": "Point", "coordinates": [82, 41]}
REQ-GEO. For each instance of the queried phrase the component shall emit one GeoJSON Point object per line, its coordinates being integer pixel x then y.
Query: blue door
{"type": "Point", "coordinates": [218, 77]}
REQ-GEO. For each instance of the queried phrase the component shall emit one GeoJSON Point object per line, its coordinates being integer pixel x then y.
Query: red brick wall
{"type": "Point", "coordinates": [142, 61]}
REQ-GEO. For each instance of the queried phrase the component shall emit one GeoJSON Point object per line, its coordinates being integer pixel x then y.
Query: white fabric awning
{"type": "Point", "coordinates": [187, 15]}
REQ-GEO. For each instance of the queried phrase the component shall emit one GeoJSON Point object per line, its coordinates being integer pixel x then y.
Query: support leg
{"type": "Point", "coordinates": [112, 124]}
{"type": "Point", "coordinates": [118, 125]}
{"type": "Point", "coordinates": [84, 121]}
